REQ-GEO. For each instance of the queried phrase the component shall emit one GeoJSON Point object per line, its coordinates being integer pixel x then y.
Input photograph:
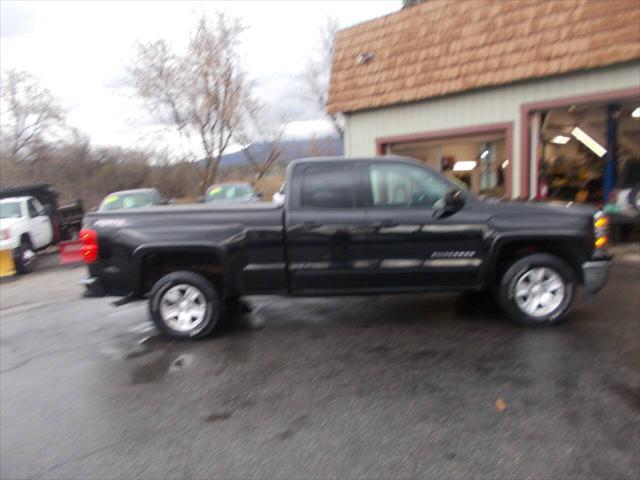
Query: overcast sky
{"type": "Point", "coordinates": [79, 50]}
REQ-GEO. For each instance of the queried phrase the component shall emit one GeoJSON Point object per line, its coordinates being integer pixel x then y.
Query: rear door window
{"type": "Point", "coordinates": [328, 186]}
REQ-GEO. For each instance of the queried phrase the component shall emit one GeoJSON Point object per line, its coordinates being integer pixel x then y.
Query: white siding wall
{"type": "Point", "coordinates": [495, 105]}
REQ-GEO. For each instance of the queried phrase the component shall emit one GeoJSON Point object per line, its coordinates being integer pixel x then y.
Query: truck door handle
{"type": "Point", "coordinates": [386, 223]}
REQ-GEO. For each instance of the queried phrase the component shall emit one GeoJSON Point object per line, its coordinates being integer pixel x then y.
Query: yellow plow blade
{"type": "Point", "coordinates": [7, 267]}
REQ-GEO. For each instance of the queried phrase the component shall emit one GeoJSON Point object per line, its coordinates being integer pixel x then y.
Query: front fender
{"type": "Point", "coordinates": [565, 238]}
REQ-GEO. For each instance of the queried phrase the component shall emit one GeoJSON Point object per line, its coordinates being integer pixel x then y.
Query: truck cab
{"type": "Point", "coordinates": [379, 226]}
{"type": "Point", "coordinates": [25, 227]}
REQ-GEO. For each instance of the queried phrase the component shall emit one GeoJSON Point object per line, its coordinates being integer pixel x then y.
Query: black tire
{"type": "Point", "coordinates": [24, 257]}
{"type": "Point", "coordinates": [518, 270]}
{"type": "Point", "coordinates": [211, 304]}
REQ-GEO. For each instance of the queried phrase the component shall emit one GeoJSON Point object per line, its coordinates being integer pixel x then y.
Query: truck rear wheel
{"type": "Point", "coordinates": [184, 305]}
{"type": "Point", "coordinates": [537, 290]}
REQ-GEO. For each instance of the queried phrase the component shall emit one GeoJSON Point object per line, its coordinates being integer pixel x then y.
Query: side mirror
{"type": "Point", "coordinates": [259, 194]}
{"type": "Point", "coordinates": [452, 202]}
{"type": "Point", "coordinates": [278, 199]}
{"type": "Point", "coordinates": [454, 199]}
{"type": "Point", "coordinates": [46, 210]}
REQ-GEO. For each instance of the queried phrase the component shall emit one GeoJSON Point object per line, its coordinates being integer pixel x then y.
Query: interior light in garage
{"type": "Point", "coordinates": [464, 165]}
{"type": "Point", "coordinates": [589, 142]}
{"type": "Point", "coordinates": [505, 163]}
{"type": "Point", "coordinates": [484, 154]}
{"type": "Point", "coordinates": [636, 113]}
{"type": "Point", "coordinates": [560, 139]}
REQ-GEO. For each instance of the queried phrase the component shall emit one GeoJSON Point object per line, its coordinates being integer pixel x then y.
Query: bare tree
{"type": "Point", "coordinates": [260, 129]}
{"type": "Point", "coordinates": [411, 3]}
{"type": "Point", "coordinates": [318, 71]}
{"type": "Point", "coordinates": [203, 92]}
{"type": "Point", "coordinates": [30, 115]}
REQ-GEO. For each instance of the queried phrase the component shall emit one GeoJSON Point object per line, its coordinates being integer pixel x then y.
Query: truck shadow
{"type": "Point", "coordinates": [370, 311]}
{"type": "Point", "coordinates": [478, 305]}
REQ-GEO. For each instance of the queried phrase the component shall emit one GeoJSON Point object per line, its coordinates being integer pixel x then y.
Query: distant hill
{"type": "Point", "coordinates": [300, 148]}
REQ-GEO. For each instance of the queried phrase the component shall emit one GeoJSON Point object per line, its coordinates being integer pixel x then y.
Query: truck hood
{"type": "Point", "coordinates": [9, 222]}
{"type": "Point", "coordinates": [544, 208]}
{"type": "Point", "coordinates": [539, 216]}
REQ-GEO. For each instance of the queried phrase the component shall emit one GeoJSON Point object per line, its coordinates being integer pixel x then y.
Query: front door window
{"type": "Point", "coordinates": [404, 186]}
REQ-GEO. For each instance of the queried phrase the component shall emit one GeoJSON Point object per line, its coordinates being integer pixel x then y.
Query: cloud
{"type": "Point", "coordinates": [318, 127]}
{"type": "Point", "coordinates": [80, 51]}
{"type": "Point", "coordinates": [15, 19]}
{"type": "Point", "coordinates": [283, 96]}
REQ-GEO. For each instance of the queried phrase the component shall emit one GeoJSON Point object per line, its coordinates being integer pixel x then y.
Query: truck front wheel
{"type": "Point", "coordinates": [184, 305]}
{"type": "Point", "coordinates": [537, 289]}
{"type": "Point", "coordinates": [24, 257]}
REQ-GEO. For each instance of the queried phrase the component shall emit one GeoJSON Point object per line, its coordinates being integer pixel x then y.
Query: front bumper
{"type": "Point", "coordinates": [9, 244]}
{"type": "Point", "coordinates": [595, 274]}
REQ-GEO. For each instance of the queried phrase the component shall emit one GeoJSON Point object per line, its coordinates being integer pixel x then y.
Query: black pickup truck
{"type": "Point", "coordinates": [348, 226]}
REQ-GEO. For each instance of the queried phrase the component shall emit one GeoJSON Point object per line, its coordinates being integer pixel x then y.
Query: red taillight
{"type": "Point", "coordinates": [89, 249]}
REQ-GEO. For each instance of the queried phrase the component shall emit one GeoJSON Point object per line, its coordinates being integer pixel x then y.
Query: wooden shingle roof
{"type": "Point", "coordinates": [442, 47]}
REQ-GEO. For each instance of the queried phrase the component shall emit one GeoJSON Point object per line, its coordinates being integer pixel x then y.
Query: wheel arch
{"type": "Point", "coordinates": [569, 247]}
{"type": "Point", "coordinates": [26, 236]}
{"type": "Point", "coordinates": [150, 262]}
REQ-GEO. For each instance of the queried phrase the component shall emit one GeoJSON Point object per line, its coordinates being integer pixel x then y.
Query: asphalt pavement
{"type": "Point", "coordinates": [412, 386]}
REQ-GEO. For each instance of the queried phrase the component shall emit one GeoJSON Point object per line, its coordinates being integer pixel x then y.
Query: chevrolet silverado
{"type": "Point", "coordinates": [347, 226]}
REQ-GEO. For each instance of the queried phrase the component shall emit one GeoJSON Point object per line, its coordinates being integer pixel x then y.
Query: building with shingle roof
{"type": "Point", "coordinates": [518, 98]}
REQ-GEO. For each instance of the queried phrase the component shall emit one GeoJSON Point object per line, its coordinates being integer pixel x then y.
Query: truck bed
{"type": "Point", "coordinates": [249, 237]}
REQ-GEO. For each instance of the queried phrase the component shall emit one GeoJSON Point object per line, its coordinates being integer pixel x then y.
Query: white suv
{"type": "Point", "coordinates": [25, 227]}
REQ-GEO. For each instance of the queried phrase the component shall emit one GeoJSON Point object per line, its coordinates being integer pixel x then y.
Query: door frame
{"type": "Point", "coordinates": [352, 219]}
{"type": "Point", "coordinates": [528, 170]}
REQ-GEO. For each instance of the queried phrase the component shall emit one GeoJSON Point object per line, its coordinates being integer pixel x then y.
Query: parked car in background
{"type": "Point", "coordinates": [623, 206]}
{"type": "Point", "coordinates": [25, 227]}
{"type": "Point", "coordinates": [348, 226]}
{"type": "Point", "coordinates": [66, 220]}
{"type": "Point", "coordinates": [231, 192]}
{"type": "Point", "coordinates": [137, 198]}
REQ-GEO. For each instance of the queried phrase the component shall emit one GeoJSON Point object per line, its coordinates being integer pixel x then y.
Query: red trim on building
{"type": "Point", "coordinates": [506, 128]}
{"type": "Point", "coordinates": [525, 116]}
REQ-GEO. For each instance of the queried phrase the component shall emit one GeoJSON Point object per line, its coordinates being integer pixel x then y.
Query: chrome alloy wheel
{"type": "Point", "coordinates": [539, 291]}
{"type": "Point", "coordinates": [183, 307]}
{"type": "Point", "coordinates": [28, 256]}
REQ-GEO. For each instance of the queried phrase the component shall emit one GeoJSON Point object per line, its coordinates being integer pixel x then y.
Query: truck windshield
{"type": "Point", "coordinates": [228, 192]}
{"type": "Point", "coordinates": [126, 200]}
{"type": "Point", "coordinates": [10, 210]}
